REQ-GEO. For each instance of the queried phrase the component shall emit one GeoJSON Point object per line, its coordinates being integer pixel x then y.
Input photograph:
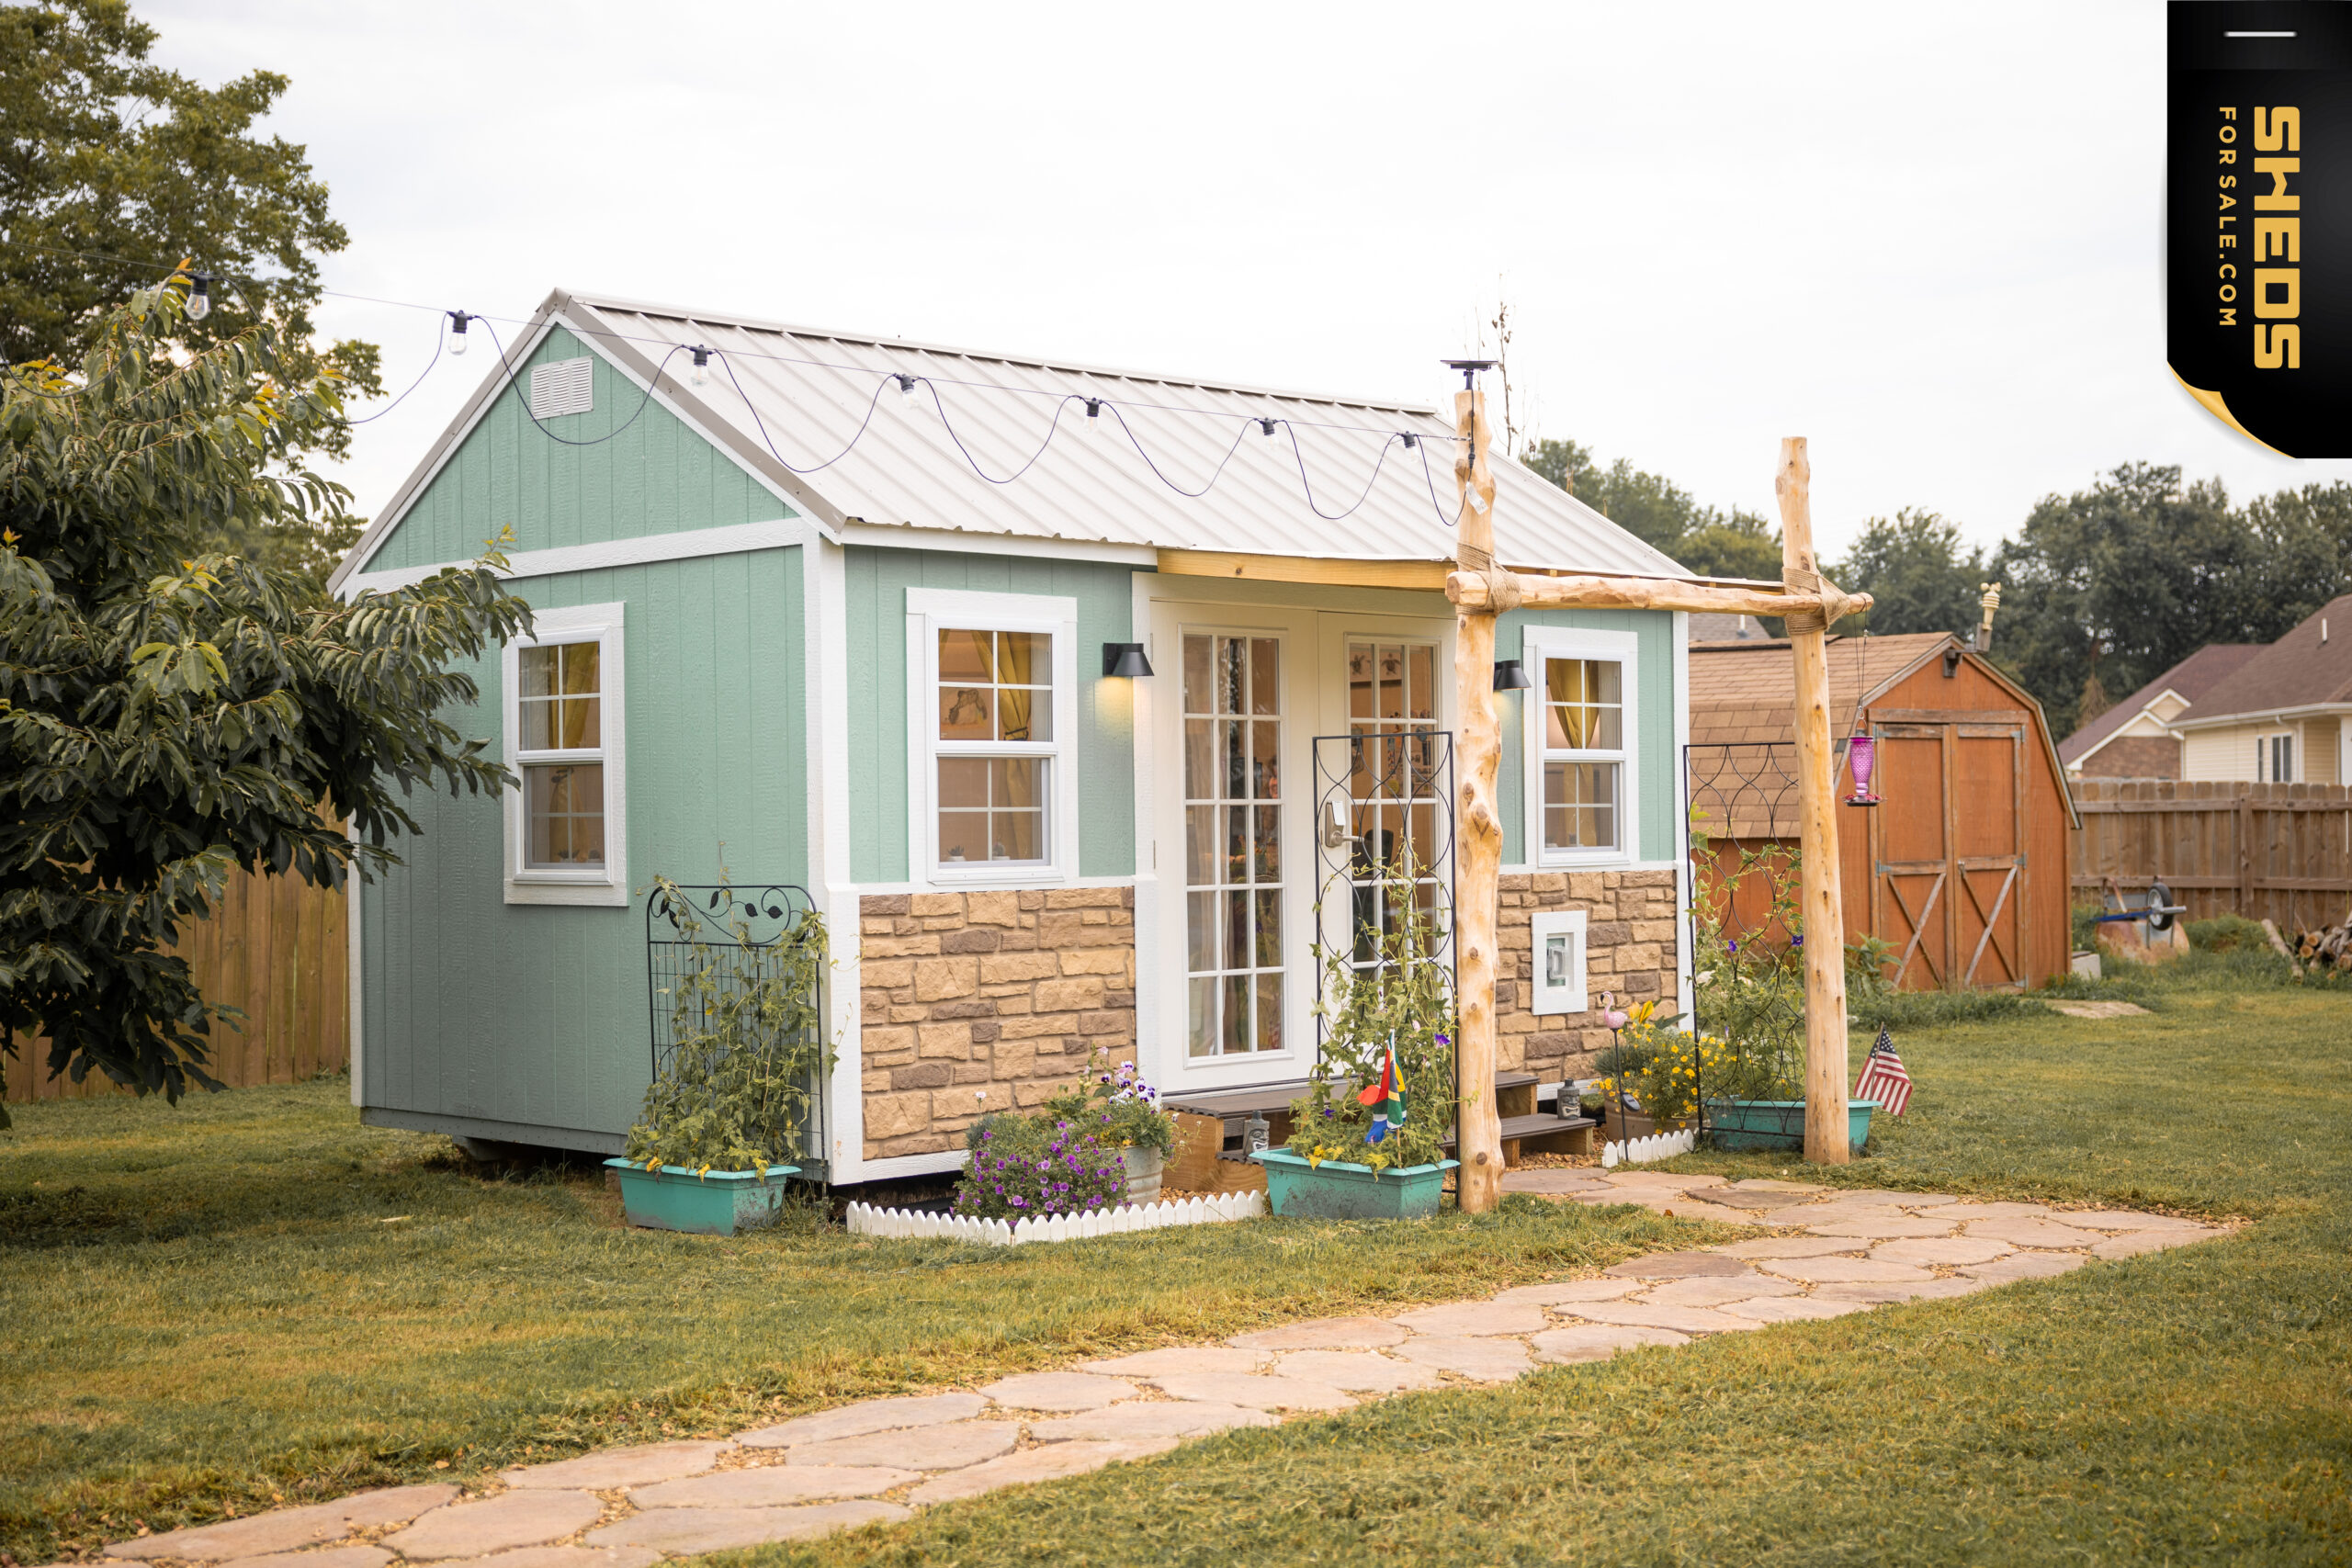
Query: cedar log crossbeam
{"type": "Point", "coordinates": [1481, 589]}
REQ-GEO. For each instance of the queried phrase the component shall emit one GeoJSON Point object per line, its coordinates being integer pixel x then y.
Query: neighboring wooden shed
{"type": "Point", "coordinates": [1962, 868]}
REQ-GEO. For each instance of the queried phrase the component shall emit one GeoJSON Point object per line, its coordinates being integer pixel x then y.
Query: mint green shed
{"type": "Point", "coordinates": [849, 614]}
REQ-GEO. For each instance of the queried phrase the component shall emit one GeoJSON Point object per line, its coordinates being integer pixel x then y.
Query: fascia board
{"type": "Point", "coordinates": [2263, 716]}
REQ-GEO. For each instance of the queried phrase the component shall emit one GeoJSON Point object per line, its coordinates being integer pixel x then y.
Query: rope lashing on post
{"type": "Point", "coordinates": [1502, 587]}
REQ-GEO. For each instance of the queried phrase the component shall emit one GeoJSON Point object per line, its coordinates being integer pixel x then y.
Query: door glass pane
{"type": "Point", "coordinates": [1393, 785]}
{"type": "Point", "coordinates": [1233, 858]}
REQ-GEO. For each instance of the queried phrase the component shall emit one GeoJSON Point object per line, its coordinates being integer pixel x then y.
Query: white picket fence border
{"type": "Point", "coordinates": [866, 1219]}
{"type": "Point", "coordinates": [1642, 1151]}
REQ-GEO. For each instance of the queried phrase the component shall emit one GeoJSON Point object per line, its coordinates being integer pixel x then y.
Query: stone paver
{"type": "Point", "coordinates": [2131, 1243]}
{"type": "Point", "coordinates": [1048, 1462]}
{"type": "Point", "coordinates": [287, 1529]}
{"type": "Point", "coordinates": [951, 1447]}
{"type": "Point", "coordinates": [2096, 1009]}
{"type": "Point", "coordinates": [1599, 1341]}
{"type": "Point", "coordinates": [2034, 1233]}
{"type": "Point", "coordinates": [1561, 1291]}
{"type": "Point", "coordinates": [1359, 1372]}
{"type": "Point", "coordinates": [2124, 1220]}
{"type": "Point", "coordinates": [1884, 1295]}
{"type": "Point", "coordinates": [1706, 1292]}
{"type": "Point", "coordinates": [635, 1465]}
{"type": "Point", "coordinates": [1549, 1182]}
{"type": "Point", "coordinates": [688, 1531]}
{"type": "Point", "coordinates": [1963, 1212]}
{"type": "Point", "coordinates": [1762, 1199]}
{"type": "Point", "coordinates": [1058, 1391]}
{"type": "Point", "coordinates": [1885, 1229]}
{"type": "Point", "coordinates": [1480, 1360]}
{"type": "Point", "coordinates": [1324, 1334]}
{"type": "Point", "coordinates": [1256, 1391]}
{"type": "Point", "coordinates": [526, 1517]}
{"type": "Point", "coordinates": [1646, 1314]}
{"type": "Point", "coordinates": [1725, 1214]}
{"type": "Point", "coordinates": [1792, 1247]}
{"type": "Point", "coordinates": [773, 1485]}
{"type": "Point", "coordinates": [569, 1557]}
{"type": "Point", "coordinates": [1677, 1266]}
{"type": "Point", "coordinates": [1888, 1195]}
{"type": "Point", "coordinates": [1813, 1214]}
{"type": "Point", "coordinates": [1471, 1319]}
{"type": "Point", "coordinates": [2026, 1266]}
{"type": "Point", "coordinates": [1845, 1270]}
{"type": "Point", "coordinates": [1185, 1359]}
{"type": "Point", "coordinates": [1943, 1250]}
{"type": "Point", "coordinates": [1791, 1309]}
{"type": "Point", "coordinates": [870, 1415]}
{"type": "Point", "coordinates": [1773, 1184]}
{"type": "Point", "coordinates": [1164, 1418]}
{"type": "Point", "coordinates": [331, 1557]}
{"type": "Point", "coordinates": [1661, 1179]}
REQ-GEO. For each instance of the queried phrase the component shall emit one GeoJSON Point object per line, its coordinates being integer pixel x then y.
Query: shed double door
{"type": "Point", "coordinates": [1947, 847]}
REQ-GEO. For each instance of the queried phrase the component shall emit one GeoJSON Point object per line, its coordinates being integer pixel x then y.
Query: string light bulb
{"type": "Point", "coordinates": [458, 319]}
{"type": "Point", "coordinates": [1094, 408]}
{"type": "Point", "coordinates": [702, 366]}
{"type": "Point", "coordinates": [1266, 426]}
{"type": "Point", "coordinates": [200, 297]}
{"type": "Point", "coordinates": [907, 390]}
{"type": "Point", "coordinates": [1411, 440]}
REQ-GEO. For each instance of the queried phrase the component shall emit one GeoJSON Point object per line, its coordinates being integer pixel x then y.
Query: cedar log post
{"type": "Point", "coordinates": [1821, 906]}
{"type": "Point", "coordinates": [1477, 826]}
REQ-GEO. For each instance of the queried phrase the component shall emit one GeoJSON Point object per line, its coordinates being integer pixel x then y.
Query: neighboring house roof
{"type": "Point", "coordinates": [2310, 667]}
{"type": "Point", "coordinates": [1743, 694]}
{"type": "Point", "coordinates": [805, 393]}
{"type": "Point", "coordinates": [1709, 626]}
{"type": "Point", "coordinates": [2188, 680]}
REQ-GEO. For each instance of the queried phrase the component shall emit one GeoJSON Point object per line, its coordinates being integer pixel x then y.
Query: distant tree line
{"type": "Point", "coordinates": [2101, 590]}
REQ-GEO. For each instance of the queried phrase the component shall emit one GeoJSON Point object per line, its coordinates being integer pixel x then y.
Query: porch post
{"type": "Point", "coordinates": [1478, 830]}
{"type": "Point", "coordinates": [1820, 903]}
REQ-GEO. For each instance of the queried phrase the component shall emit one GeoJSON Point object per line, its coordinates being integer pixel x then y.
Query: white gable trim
{"type": "Point", "coordinates": [907, 537]}
{"type": "Point", "coordinates": [554, 313]}
{"type": "Point", "coordinates": [686, 544]}
{"type": "Point", "coordinates": [2262, 716]}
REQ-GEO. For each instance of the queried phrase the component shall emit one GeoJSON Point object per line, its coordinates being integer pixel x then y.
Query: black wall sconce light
{"type": "Point", "coordinates": [1510, 676]}
{"type": "Point", "coordinates": [1125, 661]}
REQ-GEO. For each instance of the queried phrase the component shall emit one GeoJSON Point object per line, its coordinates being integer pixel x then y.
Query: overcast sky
{"type": "Point", "coordinates": [1925, 237]}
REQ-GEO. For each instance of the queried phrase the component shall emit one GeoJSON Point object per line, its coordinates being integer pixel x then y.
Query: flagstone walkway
{"type": "Point", "coordinates": [1825, 1253]}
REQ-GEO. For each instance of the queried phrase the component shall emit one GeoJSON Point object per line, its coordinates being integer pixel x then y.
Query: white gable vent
{"type": "Point", "coordinates": [565, 387]}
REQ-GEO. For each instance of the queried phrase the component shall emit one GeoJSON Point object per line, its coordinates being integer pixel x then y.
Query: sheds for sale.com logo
{"type": "Point", "coordinates": [2259, 247]}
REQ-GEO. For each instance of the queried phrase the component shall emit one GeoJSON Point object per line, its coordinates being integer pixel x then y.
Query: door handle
{"type": "Point", "coordinates": [1335, 822]}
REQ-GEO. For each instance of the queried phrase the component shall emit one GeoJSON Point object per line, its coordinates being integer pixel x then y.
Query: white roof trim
{"type": "Point", "coordinates": [685, 544]}
{"type": "Point", "coordinates": [2261, 715]}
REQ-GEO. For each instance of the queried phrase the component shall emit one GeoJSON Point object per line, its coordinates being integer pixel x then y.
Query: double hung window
{"type": "Point", "coordinates": [991, 783]}
{"type": "Point", "coordinates": [566, 830]}
{"type": "Point", "coordinates": [1579, 726]}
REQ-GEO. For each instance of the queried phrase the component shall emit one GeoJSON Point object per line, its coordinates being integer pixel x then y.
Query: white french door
{"type": "Point", "coordinates": [1241, 692]}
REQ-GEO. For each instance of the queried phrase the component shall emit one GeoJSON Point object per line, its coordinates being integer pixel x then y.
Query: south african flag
{"type": "Point", "coordinates": [1386, 1099]}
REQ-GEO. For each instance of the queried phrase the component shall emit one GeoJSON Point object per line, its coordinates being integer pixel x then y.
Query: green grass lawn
{"type": "Point", "coordinates": [253, 1299]}
{"type": "Point", "coordinates": [2187, 1406]}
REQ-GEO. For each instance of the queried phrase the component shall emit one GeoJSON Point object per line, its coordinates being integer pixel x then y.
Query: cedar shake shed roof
{"type": "Point", "coordinates": [2190, 679]}
{"type": "Point", "coordinates": [2300, 670]}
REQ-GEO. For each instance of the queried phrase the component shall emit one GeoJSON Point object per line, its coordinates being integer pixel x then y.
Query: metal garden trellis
{"type": "Point", "coordinates": [761, 923]}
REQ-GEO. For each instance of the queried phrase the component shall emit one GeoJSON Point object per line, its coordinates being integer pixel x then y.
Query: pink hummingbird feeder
{"type": "Point", "coordinates": [1861, 756]}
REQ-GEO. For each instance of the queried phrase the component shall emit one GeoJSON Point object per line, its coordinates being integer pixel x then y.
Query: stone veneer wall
{"type": "Point", "coordinates": [1630, 936]}
{"type": "Point", "coordinates": [986, 1001]}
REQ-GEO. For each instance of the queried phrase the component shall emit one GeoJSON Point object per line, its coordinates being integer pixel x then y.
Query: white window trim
{"type": "Point", "coordinates": [2266, 749]}
{"type": "Point", "coordinates": [609, 886]}
{"type": "Point", "coordinates": [1537, 644]}
{"type": "Point", "coordinates": [1546, 999]}
{"type": "Point", "coordinates": [931, 610]}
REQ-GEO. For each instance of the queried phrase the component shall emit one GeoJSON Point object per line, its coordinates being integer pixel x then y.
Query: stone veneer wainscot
{"type": "Point", "coordinates": [1630, 949]}
{"type": "Point", "coordinates": [986, 1002]}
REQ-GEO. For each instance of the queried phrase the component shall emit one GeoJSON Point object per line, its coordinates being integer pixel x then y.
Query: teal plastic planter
{"type": "Point", "coordinates": [719, 1204]}
{"type": "Point", "coordinates": [1336, 1190]}
{"type": "Point", "coordinates": [1778, 1123]}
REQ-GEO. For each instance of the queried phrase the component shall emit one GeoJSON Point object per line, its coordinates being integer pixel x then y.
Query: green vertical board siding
{"type": "Point", "coordinates": [877, 580]}
{"type": "Point", "coordinates": [1651, 711]}
{"type": "Point", "coordinates": [656, 476]}
{"type": "Point", "coordinates": [538, 1014]}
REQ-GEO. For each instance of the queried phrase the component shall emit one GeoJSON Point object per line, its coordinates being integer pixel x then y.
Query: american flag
{"type": "Point", "coordinates": [1884, 1078]}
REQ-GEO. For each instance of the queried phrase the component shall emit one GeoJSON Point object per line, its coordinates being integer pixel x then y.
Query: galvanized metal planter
{"type": "Point", "coordinates": [718, 1202]}
{"type": "Point", "coordinates": [1146, 1170]}
{"type": "Point", "coordinates": [1335, 1190]}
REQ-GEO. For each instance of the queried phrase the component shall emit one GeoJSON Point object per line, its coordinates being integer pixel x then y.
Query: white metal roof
{"type": "Point", "coordinates": [804, 393]}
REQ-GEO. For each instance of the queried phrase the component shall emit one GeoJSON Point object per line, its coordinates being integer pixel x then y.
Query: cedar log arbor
{"type": "Point", "coordinates": [1480, 591]}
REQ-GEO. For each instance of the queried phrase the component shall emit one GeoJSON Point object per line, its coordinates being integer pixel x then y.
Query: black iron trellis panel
{"type": "Point", "coordinates": [769, 914]}
{"type": "Point", "coordinates": [1737, 792]}
{"type": "Point", "coordinates": [1389, 787]}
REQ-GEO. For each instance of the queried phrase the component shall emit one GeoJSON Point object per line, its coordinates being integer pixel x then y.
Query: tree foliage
{"type": "Point", "coordinates": [1703, 539]}
{"type": "Point", "coordinates": [169, 714]}
{"type": "Point", "coordinates": [1913, 567]}
{"type": "Point", "coordinates": [105, 154]}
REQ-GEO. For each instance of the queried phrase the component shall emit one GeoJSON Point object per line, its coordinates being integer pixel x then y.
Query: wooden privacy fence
{"type": "Point", "coordinates": [2269, 851]}
{"type": "Point", "coordinates": [277, 947]}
